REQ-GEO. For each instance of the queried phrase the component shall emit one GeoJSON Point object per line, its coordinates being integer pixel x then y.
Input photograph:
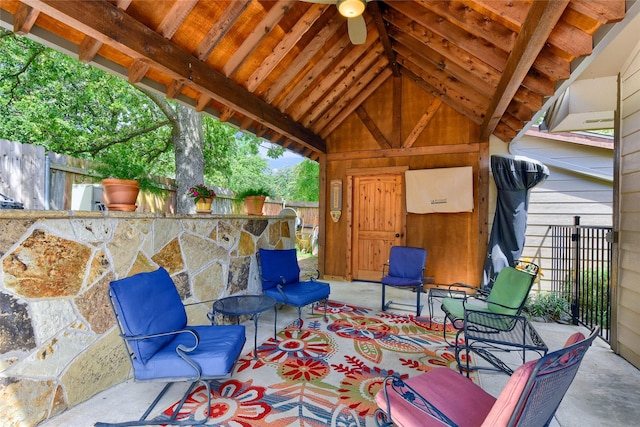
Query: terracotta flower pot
{"type": "Point", "coordinates": [204, 206]}
{"type": "Point", "coordinates": [254, 204]}
{"type": "Point", "coordinates": [120, 194]}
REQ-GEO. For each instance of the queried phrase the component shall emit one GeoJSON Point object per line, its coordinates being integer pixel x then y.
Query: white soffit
{"type": "Point", "coordinates": [588, 104]}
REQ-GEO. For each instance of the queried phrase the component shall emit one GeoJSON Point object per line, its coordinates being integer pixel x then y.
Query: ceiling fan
{"type": "Point", "coordinates": [352, 10]}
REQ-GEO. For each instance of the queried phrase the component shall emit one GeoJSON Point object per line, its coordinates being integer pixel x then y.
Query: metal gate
{"type": "Point", "coordinates": [581, 272]}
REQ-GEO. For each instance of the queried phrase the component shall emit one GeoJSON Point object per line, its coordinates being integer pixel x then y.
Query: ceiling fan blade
{"type": "Point", "coordinates": [357, 29]}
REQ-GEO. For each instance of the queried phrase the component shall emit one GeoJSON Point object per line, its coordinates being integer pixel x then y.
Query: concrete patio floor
{"type": "Point", "coordinates": [606, 391]}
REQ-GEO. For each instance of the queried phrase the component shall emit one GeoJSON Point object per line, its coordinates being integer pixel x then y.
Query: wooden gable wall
{"type": "Point", "coordinates": [431, 135]}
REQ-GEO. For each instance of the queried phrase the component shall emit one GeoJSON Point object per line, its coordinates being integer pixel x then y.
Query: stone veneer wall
{"type": "Point", "coordinates": [58, 342]}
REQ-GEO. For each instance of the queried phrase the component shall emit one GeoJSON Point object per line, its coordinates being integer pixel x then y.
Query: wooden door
{"type": "Point", "coordinates": [378, 223]}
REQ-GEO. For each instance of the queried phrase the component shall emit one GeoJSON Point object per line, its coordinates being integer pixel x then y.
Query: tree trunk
{"type": "Point", "coordinates": [188, 142]}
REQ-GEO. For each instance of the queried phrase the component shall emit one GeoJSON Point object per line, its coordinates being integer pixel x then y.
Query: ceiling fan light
{"type": "Point", "coordinates": [351, 8]}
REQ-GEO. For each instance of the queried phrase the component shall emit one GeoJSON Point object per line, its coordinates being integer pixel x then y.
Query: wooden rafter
{"type": "Point", "coordinates": [261, 30]}
{"type": "Point", "coordinates": [176, 16]}
{"type": "Point", "coordinates": [220, 28]}
{"type": "Point", "coordinates": [24, 19]}
{"type": "Point", "coordinates": [540, 21]}
{"type": "Point", "coordinates": [286, 44]}
{"type": "Point", "coordinates": [373, 129]}
{"type": "Point", "coordinates": [422, 123]}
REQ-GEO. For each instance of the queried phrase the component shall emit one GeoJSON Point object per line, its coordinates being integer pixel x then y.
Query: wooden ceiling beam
{"type": "Point", "coordinates": [220, 28]}
{"type": "Point", "coordinates": [373, 61]}
{"type": "Point", "coordinates": [24, 19]}
{"type": "Point", "coordinates": [411, 49]}
{"type": "Point", "coordinates": [336, 74]}
{"type": "Point", "coordinates": [374, 9]}
{"type": "Point", "coordinates": [396, 112]}
{"type": "Point", "coordinates": [429, 44]}
{"type": "Point", "coordinates": [88, 49]}
{"type": "Point", "coordinates": [226, 114]}
{"type": "Point", "coordinates": [202, 102]}
{"type": "Point", "coordinates": [552, 66]}
{"type": "Point", "coordinates": [509, 13]}
{"type": "Point", "coordinates": [454, 35]}
{"type": "Point", "coordinates": [304, 57]}
{"type": "Point", "coordinates": [251, 42]}
{"type": "Point", "coordinates": [429, 150]}
{"type": "Point", "coordinates": [175, 17]}
{"type": "Point", "coordinates": [442, 80]}
{"type": "Point", "coordinates": [604, 11]}
{"type": "Point", "coordinates": [174, 88]}
{"type": "Point", "coordinates": [137, 71]}
{"type": "Point", "coordinates": [571, 40]}
{"type": "Point", "coordinates": [329, 124]}
{"type": "Point", "coordinates": [541, 19]}
{"type": "Point", "coordinates": [366, 80]}
{"type": "Point", "coordinates": [452, 98]}
{"type": "Point", "coordinates": [475, 23]}
{"type": "Point", "coordinates": [374, 130]}
{"type": "Point", "coordinates": [311, 76]}
{"type": "Point", "coordinates": [285, 45]}
{"type": "Point", "coordinates": [103, 21]}
{"type": "Point", "coordinates": [422, 123]}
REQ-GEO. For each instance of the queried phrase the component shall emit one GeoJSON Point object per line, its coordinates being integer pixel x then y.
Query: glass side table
{"type": "Point", "coordinates": [243, 305]}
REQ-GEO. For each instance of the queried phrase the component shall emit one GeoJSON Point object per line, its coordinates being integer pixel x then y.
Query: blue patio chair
{"type": "Point", "coordinates": [280, 274]}
{"type": "Point", "coordinates": [405, 269]}
{"type": "Point", "coordinates": [161, 347]}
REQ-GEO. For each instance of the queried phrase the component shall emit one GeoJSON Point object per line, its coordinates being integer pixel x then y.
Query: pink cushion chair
{"type": "Point", "coordinates": [442, 396]}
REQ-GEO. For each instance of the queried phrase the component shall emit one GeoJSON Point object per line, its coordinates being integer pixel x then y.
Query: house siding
{"type": "Point", "coordinates": [628, 291]}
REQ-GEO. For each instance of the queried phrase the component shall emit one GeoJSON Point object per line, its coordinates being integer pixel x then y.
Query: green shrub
{"type": "Point", "coordinates": [549, 306]}
{"type": "Point", "coordinates": [594, 288]}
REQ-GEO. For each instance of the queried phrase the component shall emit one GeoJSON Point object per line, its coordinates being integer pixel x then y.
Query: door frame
{"type": "Point", "coordinates": [353, 172]}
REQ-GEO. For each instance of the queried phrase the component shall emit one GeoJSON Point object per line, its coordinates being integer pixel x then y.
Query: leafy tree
{"type": "Point", "coordinates": [306, 181]}
{"type": "Point", "coordinates": [49, 99]}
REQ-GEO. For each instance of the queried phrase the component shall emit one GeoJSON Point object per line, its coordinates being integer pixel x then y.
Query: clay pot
{"type": "Point", "coordinates": [254, 204]}
{"type": "Point", "coordinates": [120, 194]}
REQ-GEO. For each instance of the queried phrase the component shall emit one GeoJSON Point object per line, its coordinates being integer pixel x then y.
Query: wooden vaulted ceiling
{"type": "Point", "coordinates": [287, 71]}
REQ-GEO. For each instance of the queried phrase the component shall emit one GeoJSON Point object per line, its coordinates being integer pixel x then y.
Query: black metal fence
{"type": "Point", "coordinates": [581, 272]}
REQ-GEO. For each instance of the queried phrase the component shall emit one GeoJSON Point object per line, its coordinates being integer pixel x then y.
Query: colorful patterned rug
{"type": "Point", "coordinates": [325, 375]}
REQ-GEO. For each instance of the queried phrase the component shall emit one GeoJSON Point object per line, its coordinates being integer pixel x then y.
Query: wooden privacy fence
{"type": "Point", "coordinates": [46, 181]}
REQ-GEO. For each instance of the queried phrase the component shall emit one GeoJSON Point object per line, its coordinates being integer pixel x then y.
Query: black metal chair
{"type": "Point", "coordinates": [161, 347]}
{"type": "Point", "coordinates": [405, 269]}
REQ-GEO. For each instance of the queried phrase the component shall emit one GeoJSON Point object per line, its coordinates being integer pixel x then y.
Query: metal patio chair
{"type": "Point", "coordinates": [162, 348]}
{"type": "Point", "coordinates": [507, 297]}
{"type": "Point", "coordinates": [405, 269]}
{"type": "Point", "coordinates": [442, 396]}
{"type": "Point", "coordinates": [280, 275]}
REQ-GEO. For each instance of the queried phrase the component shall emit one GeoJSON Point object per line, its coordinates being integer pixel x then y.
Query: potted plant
{"type": "Point", "coordinates": [122, 180]}
{"type": "Point", "coordinates": [254, 198]}
{"type": "Point", "coordinates": [203, 197]}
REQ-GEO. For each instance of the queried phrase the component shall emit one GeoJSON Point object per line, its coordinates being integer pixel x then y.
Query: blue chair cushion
{"type": "Point", "coordinates": [217, 351]}
{"type": "Point", "coordinates": [301, 293]}
{"type": "Point", "coordinates": [148, 303]}
{"type": "Point", "coordinates": [400, 281]}
{"type": "Point", "coordinates": [278, 266]}
{"type": "Point", "coordinates": [407, 262]}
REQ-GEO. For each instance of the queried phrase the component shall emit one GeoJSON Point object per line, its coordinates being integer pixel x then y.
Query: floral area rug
{"type": "Point", "coordinates": [327, 374]}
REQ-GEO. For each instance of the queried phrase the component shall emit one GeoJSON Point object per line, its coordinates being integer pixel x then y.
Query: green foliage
{"type": "Point", "coordinates": [594, 290]}
{"type": "Point", "coordinates": [115, 165]}
{"type": "Point", "coordinates": [52, 100]}
{"type": "Point", "coordinates": [307, 181]}
{"type": "Point", "coordinates": [253, 191]}
{"type": "Point", "coordinates": [549, 306]}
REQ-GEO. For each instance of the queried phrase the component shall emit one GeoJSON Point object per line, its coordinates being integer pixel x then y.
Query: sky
{"type": "Point", "coordinates": [288, 159]}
